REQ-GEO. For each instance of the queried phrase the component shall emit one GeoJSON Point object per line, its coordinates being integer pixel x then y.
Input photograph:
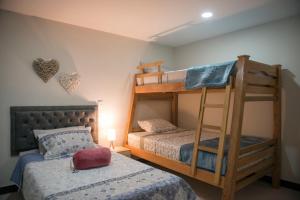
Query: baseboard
{"type": "Point", "coordinates": [283, 183]}
{"type": "Point", "coordinates": [8, 189]}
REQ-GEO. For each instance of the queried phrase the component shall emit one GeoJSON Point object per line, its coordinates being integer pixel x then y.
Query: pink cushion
{"type": "Point", "coordinates": [91, 158]}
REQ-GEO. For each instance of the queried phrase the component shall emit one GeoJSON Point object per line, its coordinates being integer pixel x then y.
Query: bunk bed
{"type": "Point", "coordinates": [251, 82]}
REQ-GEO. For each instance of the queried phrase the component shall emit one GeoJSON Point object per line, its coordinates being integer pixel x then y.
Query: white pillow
{"type": "Point", "coordinates": [38, 132]}
{"type": "Point", "coordinates": [41, 132]}
{"type": "Point", "coordinates": [67, 142]}
{"type": "Point", "coordinates": [156, 125]}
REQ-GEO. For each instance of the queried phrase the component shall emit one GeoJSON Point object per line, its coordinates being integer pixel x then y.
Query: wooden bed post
{"type": "Point", "coordinates": [276, 173]}
{"type": "Point", "coordinates": [174, 109]}
{"type": "Point", "coordinates": [131, 111]}
{"type": "Point", "coordinates": [236, 127]}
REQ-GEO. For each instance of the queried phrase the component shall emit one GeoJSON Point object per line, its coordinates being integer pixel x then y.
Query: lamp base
{"type": "Point", "coordinates": [111, 145]}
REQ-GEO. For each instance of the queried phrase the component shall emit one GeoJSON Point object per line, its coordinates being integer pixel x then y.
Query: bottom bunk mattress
{"type": "Point", "coordinates": [124, 178]}
{"type": "Point", "coordinates": [167, 144]}
{"type": "Point", "coordinates": [179, 145]}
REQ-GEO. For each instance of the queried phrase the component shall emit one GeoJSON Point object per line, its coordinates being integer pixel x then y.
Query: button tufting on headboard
{"type": "Point", "coordinates": [25, 119]}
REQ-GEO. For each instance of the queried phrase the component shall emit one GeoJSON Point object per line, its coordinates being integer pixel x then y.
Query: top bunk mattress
{"type": "Point", "coordinates": [215, 75]}
{"type": "Point", "coordinates": [173, 76]}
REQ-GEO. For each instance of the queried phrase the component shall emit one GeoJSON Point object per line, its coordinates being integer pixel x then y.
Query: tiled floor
{"type": "Point", "coordinates": [257, 191]}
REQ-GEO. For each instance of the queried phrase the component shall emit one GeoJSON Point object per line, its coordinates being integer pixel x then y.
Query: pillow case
{"type": "Point", "coordinates": [156, 125]}
{"type": "Point", "coordinates": [37, 133]}
{"type": "Point", "coordinates": [22, 153]}
{"type": "Point", "coordinates": [91, 158]}
{"type": "Point", "coordinates": [41, 132]}
{"type": "Point", "coordinates": [66, 142]}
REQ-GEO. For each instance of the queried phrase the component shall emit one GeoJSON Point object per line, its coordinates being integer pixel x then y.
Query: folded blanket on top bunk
{"type": "Point", "coordinates": [215, 75]}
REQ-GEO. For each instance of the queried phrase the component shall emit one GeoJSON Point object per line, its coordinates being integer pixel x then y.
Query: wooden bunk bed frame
{"type": "Point", "coordinates": [252, 82]}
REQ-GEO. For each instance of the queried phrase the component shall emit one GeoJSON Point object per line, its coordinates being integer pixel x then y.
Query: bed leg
{"type": "Point", "coordinates": [276, 172]}
{"type": "Point", "coordinates": [227, 196]}
{"type": "Point", "coordinates": [275, 178]}
{"type": "Point", "coordinates": [228, 193]}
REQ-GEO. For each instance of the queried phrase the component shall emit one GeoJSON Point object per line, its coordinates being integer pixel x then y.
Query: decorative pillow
{"type": "Point", "coordinates": [156, 125]}
{"type": "Point", "coordinates": [91, 158]}
{"type": "Point", "coordinates": [65, 143]}
{"type": "Point", "coordinates": [37, 133]}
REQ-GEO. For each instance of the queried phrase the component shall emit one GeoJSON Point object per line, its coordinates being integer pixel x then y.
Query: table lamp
{"type": "Point", "coordinates": [111, 137]}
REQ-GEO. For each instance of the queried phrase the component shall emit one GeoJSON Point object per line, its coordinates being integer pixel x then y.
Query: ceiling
{"type": "Point", "coordinates": [168, 22]}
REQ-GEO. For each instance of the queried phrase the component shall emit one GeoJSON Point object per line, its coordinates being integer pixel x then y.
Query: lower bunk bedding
{"type": "Point", "coordinates": [124, 178]}
{"type": "Point", "coordinates": [179, 144]}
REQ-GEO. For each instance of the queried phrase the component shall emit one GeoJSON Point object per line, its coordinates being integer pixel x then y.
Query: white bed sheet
{"type": "Point", "coordinates": [166, 144]}
{"type": "Point", "coordinates": [168, 77]}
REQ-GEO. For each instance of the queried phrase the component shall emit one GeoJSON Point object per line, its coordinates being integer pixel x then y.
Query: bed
{"type": "Point", "coordinates": [248, 81]}
{"type": "Point", "coordinates": [124, 178]}
{"type": "Point", "coordinates": [178, 145]}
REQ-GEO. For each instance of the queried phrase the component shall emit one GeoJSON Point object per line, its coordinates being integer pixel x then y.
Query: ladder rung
{"type": "Point", "coordinates": [260, 98]}
{"type": "Point", "coordinates": [211, 127]}
{"type": "Point", "coordinates": [214, 105]}
{"type": "Point", "coordinates": [208, 149]}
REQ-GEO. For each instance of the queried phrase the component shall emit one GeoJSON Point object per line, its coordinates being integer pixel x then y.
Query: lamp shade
{"type": "Point", "coordinates": [111, 134]}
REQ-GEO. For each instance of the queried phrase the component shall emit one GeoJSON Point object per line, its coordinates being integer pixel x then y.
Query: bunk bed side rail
{"type": "Point", "coordinates": [144, 73]}
{"type": "Point", "coordinates": [260, 78]}
{"type": "Point", "coordinates": [254, 162]}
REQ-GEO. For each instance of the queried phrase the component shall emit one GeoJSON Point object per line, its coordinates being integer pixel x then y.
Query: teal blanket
{"type": "Point", "coordinates": [207, 160]}
{"type": "Point", "coordinates": [216, 75]}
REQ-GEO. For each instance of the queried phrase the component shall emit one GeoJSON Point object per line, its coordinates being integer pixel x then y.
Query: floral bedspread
{"type": "Point", "coordinates": [123, 179]}
{"type": "Point", "coordinates": [167, 144]}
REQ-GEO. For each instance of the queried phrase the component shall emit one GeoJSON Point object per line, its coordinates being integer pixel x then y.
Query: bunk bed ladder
{"type": "Point", "coordinates": [222, 130]}
{"type": "Point", "coordinates": [222, 137]}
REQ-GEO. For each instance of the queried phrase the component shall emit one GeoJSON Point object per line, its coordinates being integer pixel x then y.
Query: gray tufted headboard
{"type": "Point", "coordinates": [25, 119]}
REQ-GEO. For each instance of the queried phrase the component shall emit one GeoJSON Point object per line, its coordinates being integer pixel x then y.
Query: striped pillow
{"type": "Point", "coordinates": [156, 125]}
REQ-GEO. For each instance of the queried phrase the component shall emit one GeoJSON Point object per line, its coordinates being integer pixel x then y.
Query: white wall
{"type": "Point", "coordinates": [104, 62]}
{"type": "Point", "coordinates": [272, 43]}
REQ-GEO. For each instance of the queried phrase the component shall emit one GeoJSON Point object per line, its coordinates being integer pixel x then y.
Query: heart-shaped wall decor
{"type": "Point", "coordinates": [45, 69]}
{"type": "Point", "coordinates": [69, 82]}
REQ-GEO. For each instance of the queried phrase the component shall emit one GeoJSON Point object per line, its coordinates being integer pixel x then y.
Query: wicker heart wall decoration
{"type": "Point", "coordinates": [69, 82]}
{"type": "Point", "coordinates": [45, 69]}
